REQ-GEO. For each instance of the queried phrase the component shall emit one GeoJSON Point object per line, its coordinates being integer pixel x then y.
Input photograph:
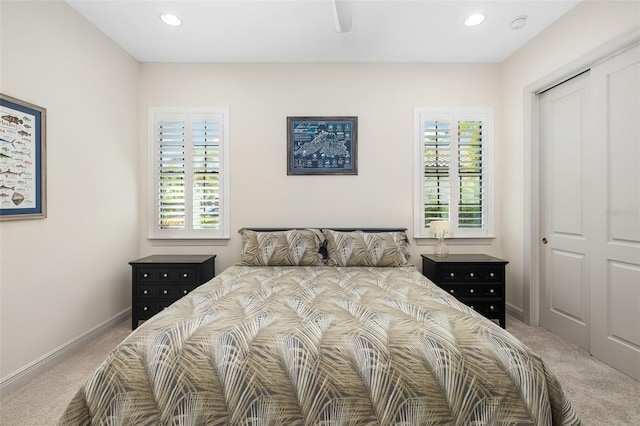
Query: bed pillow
{"type": "Point", "coordinates": [359, 248]}
{"type": "Point", "coordinates": [294, 247]}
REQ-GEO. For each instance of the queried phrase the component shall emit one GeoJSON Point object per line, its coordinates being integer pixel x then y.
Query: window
{"type": "Point", "coordinates": [190, 176]}
{"type": "Point", "coordinates": [454, 171]}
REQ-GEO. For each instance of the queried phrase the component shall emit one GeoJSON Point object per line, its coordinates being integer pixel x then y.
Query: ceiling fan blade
{"type": "Point", "coordinates": [342, 15]}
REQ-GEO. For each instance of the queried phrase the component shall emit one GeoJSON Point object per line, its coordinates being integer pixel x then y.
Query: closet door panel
{"type": "Point", "coordinates": [615, 211]}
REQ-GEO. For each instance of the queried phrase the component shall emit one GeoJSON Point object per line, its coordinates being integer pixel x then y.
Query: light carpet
{"type": "Point", "coordinates": [600, 394]}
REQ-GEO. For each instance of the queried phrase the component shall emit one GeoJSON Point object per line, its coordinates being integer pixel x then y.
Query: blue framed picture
{"type": "Point", "coordinates": [22, 160]}
{"type": "Point", "coordinates": [322, 145]}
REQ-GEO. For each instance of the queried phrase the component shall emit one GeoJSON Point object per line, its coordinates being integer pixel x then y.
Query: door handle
{"type": "Point", "coordinates": [544, 240]}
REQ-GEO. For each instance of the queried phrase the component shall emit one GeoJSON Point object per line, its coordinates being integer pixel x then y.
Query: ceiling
{"type": "Point", "coordinates": [305, 31]}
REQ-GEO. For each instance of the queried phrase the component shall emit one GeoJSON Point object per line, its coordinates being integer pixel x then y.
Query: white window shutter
{"type": "Point", "coordinates": [171, 187]}
{"type": "Point", "coordinates": [189, 174]}
{"type": "Point", "coordinates": [471, 212]}
{"type": "Point", "coordinates": [206, 173]}
{"type": "Point", "coordinates": [454, 171]}
{"type": "Point", "coordinates": [437, 160]}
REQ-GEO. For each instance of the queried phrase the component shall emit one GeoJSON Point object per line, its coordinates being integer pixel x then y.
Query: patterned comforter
{"type": "Point", "coordinates": [320, 346]}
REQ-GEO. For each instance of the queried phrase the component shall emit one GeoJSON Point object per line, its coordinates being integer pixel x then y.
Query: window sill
{"type": "Point", "coordinates": [462, 241]}
{"type": "Point", "coordinates": [199, 241]}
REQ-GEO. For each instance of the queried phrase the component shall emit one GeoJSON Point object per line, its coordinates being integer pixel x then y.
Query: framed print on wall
{"type": "Point", "coordinates": [22, 160]}
{"type": "Point", "coordinates": [322, 145]}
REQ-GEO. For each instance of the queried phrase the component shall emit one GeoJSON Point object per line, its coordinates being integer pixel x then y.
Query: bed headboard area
{"type": "Point", "coordinates": [384, 247]}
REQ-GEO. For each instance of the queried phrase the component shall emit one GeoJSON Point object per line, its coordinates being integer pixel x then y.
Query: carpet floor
{"type": "Point", "coordinates": [600, 394]}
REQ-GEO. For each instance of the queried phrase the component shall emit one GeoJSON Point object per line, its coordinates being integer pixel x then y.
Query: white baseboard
{"type": "Point", "coordinates": [25, 374]}
{"type": "Point", "coordinates": [516, 312]}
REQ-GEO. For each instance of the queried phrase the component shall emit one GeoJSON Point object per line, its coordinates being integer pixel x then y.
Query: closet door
{"type": "Point", "coordinates": [615, 212]}
{"type": "Point", "coordinates": [564, 208]}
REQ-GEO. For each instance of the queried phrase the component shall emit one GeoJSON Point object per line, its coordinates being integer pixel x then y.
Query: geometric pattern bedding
{"type": "Point", "coordinates": [319, 345]}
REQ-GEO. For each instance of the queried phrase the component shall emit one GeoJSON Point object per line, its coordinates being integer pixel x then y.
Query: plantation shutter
{"type": "Point", "coordinates": [172, 174]}
{"type": "Point", "coordinates": [206, 174]}
{"type": "Point", "coordinates": [437, 179]}
{"type": "Point", "coordinates": [189, 174]}
{"type": "Point", "coordinates": [470, 173]}
{"type": "Point", "coordinates": [454, 171]}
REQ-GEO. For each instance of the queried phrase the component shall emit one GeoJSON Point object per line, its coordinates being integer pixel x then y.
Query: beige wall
{"type": "Point", "coordinates": [66, 274]}
{"type": "Point", "coordinates": [586, 27]}
{"type": "Point", "coordinates": [261, 96]}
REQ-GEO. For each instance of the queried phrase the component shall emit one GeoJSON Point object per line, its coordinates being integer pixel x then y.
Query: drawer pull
{"type": "Point", "coordinates": [185, 275]}
{"type": "Point", "coordinates": [492, 275]}
{"type": "Point", "coordinates": [145, 291]}
{"type": "Point", "coordinates": [145, 275]}
{"type": "Point", "coordinates": [471, 275]}
{"type": "Point", "coordinates": [452, 291]}
{"type": "Point", "coordinates": [491, 307]}
{"type": "Point", "coordinates": [185, 291]}
{"type": "Point", "coordinates": [165, 275]}
{"type": "Point", "coordinates": [452, 275]}
{"type": "Point", "coordinates": [492, 291]}
{"type": "Point", "coordinates": [145, 308]}
{"type": "Point", "coordinates": [471, 291]}
{"type": "Point", "coordinates": [165, 291]}
{"type": "Point", "coordinates": [471, 306]}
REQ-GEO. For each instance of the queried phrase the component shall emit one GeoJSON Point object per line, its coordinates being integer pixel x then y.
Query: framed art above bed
{"type": "Point", "coordinates": [322, 145]}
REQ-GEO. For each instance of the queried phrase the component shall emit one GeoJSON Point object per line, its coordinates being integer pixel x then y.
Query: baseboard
{"type": "Point", "coordinates": [28, 372]}
{"type": "Point", "coordinates": [515, 312]}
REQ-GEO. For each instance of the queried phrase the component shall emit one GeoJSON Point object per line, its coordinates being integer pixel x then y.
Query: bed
{"type": "Point", "coordinates": [320, 327]}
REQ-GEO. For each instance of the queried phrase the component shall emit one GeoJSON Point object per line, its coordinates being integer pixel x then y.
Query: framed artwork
{"type": "Point", "coordinates": [322, 145]}
{"type": "Point", "coordinates": [22, 160]}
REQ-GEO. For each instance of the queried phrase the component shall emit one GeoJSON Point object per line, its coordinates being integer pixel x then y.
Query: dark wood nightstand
{"type": "Point", "coordinates": [160, 280]}
{"type": "Point", "coordinates": [476, 280]}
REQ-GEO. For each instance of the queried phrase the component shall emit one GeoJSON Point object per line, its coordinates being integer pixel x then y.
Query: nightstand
{"type": "Point", "coordinates": [477, 280]}
{"type": "Point", "coordinates": [160, 280]}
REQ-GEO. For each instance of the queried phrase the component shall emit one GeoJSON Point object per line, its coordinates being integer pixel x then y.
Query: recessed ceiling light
{"type": "Point", "coordinates": [519, 22]}
{"type": "Point", "coordinates": [475, 19]}
{"type": "Point", "coordinates": [170, 19]}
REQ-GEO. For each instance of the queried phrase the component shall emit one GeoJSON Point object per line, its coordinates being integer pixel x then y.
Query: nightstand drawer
{"type": "Point", "coordinates": [465, 274]}
{"type": "Point", "coordinates": [189, 275]}
{"type": "Point", "coordinates": [146, 275]}
{"type": "Point", "coordinates": [145, 309]}
{"type": "Point", "coordinates": [474, 290]}
{"type": "Point", "coordinates": [145, 291]}
{"type": "Point", "coordinates": [167, 275]}
{"type": "Point", "coordinates": [168, 292]}
{"type": "Point", "coordinates": [164, 275]}
{"type": "Point", "coordinates": [183, 290]}
{"type": "Point", "coordinates": [487, 309]}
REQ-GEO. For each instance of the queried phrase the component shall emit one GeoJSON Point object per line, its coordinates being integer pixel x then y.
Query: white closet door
{"type": "Point", "coordinates": [564, 208]}
{"type": "Point", "coordinates": [615, 211]}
